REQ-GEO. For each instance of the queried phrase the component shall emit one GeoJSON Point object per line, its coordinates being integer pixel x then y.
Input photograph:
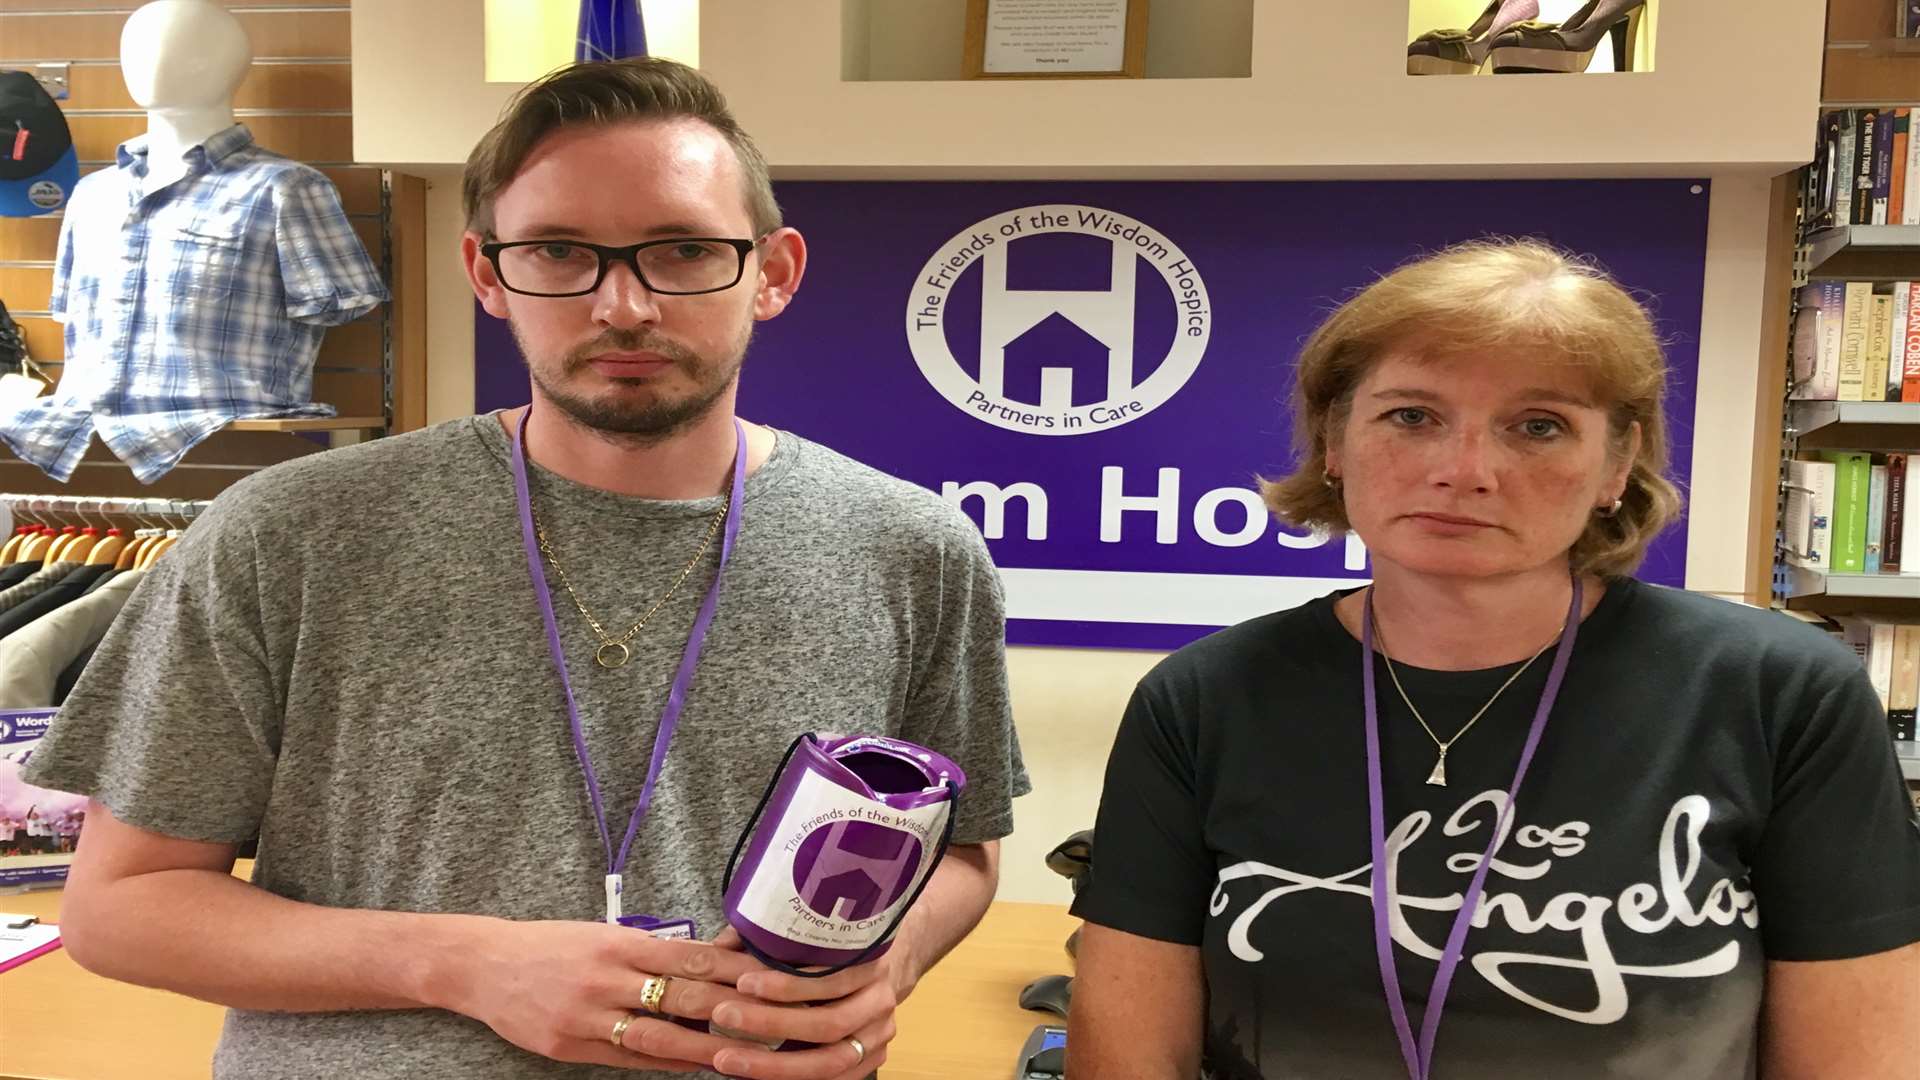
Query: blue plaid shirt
{"type": "Point", "coordinates": [192, 305]}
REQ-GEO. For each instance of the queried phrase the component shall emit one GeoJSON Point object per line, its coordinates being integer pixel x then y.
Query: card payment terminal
{"type": "Point", "coordinates": [1044, 1057]}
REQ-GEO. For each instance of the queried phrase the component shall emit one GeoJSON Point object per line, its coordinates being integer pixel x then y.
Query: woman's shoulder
{"type": "Point", "coordinates": [1284, 640]}
{"type": "Point", "coordinates": [1705, 617]}
{"type": "Point", "coordinates": [1759, 646]}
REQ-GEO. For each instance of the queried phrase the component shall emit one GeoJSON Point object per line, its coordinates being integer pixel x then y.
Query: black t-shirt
{"type": "Point", "coordinates": [1716, 788]}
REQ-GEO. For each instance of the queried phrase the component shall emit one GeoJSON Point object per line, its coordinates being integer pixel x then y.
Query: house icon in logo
{"type": "Point", "coordinates": [1056, 364]}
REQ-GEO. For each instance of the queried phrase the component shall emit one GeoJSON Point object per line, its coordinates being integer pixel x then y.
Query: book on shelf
{"type": "Point", "coordinates": [1866, 129]}
{"type": "Point", "coordinates": [1808, 525]}
{"type": "Point", "coordinates": [1894, 517]}
{"type": "Point", "coordinates": [1903, 691]}
{"type": "Point", "coordinates": [1846, 133]}
{"type": "Point", "coordinates": [1883, 165]}
{"type": "Point", "coordinates": [1876, 515]}
{"type": "Point", "coordinates": [1848, 529]}
{"type": "Point", "coordinates": [1910, 211]}
{"type": "Point", "coordinates": [1879, 347]}
{"type": "Point", "coordinates": [1853, 341]}
{"type": "Point", "coordinates": [1897, 165]}
{"type": "Point", "coordinates": [1909, 523]}
{"type": "Point", "coordinates": [1897, 342]}
{"type": "Point", "coordinates": [1907, 344]}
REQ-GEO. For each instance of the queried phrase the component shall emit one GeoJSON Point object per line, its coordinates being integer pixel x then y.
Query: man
{"type": "Point", "coordinates": [347, 654]}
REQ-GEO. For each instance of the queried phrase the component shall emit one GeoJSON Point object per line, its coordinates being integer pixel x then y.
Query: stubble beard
{"type": "Point", "coordinates": [629, 418]}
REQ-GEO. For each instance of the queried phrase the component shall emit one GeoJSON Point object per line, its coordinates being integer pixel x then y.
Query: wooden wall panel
{"type": "Point", "coordinates": [1855, 75]}
{"type": "Point", "coordinates": [26, 288]}
{"type": "Point", "coordinates": [267, 86]}
{"type": "Point", "coordinates": [359, 188]}
{"type": "Point", "coordinates": [46, 339]}
{"type": "Point", "coordinates": [1859, 68]}
{"type": "Point", "coordinates": [302, 137]}
{"type": "Point", "coordinates": [42, 35]}
{"type": "Point", "coordinates": [28, 238]}
{"type": "Point", "coordinates": [124, 7]}
{"type": "Point", "coordinates": [1859, 20]}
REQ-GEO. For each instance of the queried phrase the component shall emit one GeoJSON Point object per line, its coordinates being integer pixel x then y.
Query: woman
{"type": "Point", "coordinates": [1711, 869]}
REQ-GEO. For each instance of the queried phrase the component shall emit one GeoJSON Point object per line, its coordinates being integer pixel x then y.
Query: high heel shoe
{"type": "Point", "coordinates": [1569, 46]}
{"type": "Point", "coordinates": [1461, 52]}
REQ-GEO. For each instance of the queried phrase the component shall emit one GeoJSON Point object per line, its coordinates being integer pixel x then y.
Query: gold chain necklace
{"type": "Point", "coordinates": [613, 651]}
{"type": "Point", "coordinates": [1438, 777]}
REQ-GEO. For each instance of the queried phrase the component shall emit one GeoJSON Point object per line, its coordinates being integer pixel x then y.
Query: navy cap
{"type": "Point", "coordinates": [38, 166]}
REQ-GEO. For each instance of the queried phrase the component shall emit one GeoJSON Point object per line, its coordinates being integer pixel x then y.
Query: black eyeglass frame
{"type": "Point", "coordinates": [628, 254]}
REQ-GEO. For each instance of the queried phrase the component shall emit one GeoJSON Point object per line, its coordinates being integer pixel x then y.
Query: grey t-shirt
{"type": "Point", "coordinates": [345, 655]}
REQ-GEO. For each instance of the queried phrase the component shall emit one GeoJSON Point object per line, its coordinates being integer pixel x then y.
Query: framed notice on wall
{"type": "Point", "coordinates": [1083, 39]}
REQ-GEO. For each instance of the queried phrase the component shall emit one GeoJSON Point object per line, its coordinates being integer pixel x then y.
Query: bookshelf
{"type": "Point", "coordinates": [1875, 261]}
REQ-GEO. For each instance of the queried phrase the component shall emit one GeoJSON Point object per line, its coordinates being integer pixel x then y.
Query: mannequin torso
{"type": "Point", "coordinates": [182, 61]}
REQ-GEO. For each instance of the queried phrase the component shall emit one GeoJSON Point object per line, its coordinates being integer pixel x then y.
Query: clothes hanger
{"type": "Point", "coordinates": [165, 543]}
{"type": "Point", "coordinates": [16, 542]}
{"type": "Point", "coordinates": [107, 551]}
{"type": "Point", "coordinates": [10, 553]}
{"type": "Point", "coordinates": [82, 545]}
{"type": "Point", "coordinates": [142, 537]}
{"type": "Point", "coordinates": [36, 549]}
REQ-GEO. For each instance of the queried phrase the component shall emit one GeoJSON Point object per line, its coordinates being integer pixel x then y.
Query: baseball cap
{"type": "Point", "coordinates": [38, 168]}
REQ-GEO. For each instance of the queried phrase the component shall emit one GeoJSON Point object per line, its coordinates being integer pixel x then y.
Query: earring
{"type": "Point", "coordinates": [1608, 511]}
{"type": "Point", "coordinates": [1330, 480]}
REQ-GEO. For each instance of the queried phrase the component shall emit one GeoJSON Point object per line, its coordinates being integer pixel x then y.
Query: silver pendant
{"type": "Point", "coordinates": [1438, 777]}
{"type": "Point", "coordinates": [612, 655]}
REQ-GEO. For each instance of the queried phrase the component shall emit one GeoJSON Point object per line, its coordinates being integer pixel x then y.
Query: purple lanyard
{"type": "Point", "coordinates": [689, 658]}
{"type": "Point", "coordinates": [1419, 1056]}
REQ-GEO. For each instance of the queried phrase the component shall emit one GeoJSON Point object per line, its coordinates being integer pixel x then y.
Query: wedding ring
{"type": "Point", "coordinates": [858, 1048]}
{"type": "Point", "coordinates": [652, 992]}
{"type": "Point", "coordinates": [620, 1030]}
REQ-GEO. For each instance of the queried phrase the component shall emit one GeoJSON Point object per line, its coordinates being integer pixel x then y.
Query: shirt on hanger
{"type": "Point", "coordinates": [32, 660]}
{"type": "Point", "coordinates": [192, 305]}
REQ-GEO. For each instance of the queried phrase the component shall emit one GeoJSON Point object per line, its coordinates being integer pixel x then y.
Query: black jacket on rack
{"type": "Point", "coordinates": [16, 573]}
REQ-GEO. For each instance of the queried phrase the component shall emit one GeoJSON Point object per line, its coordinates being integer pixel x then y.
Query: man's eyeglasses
{"type": "Point", "coordinates": [682, 266]}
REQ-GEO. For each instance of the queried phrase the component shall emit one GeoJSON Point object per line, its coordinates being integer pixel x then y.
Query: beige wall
{"type": "Point", "coordinates": [1069, 701]}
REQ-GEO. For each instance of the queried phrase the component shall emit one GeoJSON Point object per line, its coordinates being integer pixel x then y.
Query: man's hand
{"type": "Point", "coordinates": [558, 989]}
{"type": "Point", "coordinates": [857, 1003]}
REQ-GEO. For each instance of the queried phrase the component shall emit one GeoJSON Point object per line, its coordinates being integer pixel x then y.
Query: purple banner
{"type": "Point", "coordinates": [1097, 373]}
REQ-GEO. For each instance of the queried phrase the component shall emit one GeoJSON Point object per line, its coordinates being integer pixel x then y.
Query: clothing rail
{"type": "Point", "coordinates": [29, 507]}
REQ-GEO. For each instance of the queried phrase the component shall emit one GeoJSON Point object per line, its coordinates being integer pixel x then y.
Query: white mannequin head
{"type": "Point", "coordinates": [182, 60]}
{"type": "Point", "coordinates": [183, 54]}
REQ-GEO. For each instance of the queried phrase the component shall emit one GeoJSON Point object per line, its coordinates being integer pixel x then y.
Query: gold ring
{"type": "Point", "coordinates": [858, 1048]}
{"type": "Point", "coordinates": [652, 992]}
{"type": "Point", "coordinates": [620, 1030]}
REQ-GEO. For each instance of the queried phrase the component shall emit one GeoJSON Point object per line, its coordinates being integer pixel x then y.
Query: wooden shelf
{"type": "Point", "coordinates": [1895, 46]}
{"type": "Point", "coordinates": [332, 423]}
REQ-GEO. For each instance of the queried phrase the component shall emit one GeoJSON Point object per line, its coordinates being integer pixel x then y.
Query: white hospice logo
{"type": "Point", "coordinates": [1007, 315]}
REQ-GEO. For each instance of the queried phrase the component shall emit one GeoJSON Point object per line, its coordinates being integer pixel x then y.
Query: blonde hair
{"type": "Point", "coordinates": [1494, 294]}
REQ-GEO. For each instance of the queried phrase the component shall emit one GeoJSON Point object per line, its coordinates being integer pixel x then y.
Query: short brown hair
{"type": "Point", "coordinates": [608, 92]}
{"type": "Point", "coordinates": [1497, 293]}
